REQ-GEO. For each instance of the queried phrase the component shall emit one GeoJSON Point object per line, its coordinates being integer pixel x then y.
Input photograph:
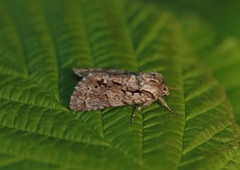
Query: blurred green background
{"type": "Point", "coordinates": [222, 15]}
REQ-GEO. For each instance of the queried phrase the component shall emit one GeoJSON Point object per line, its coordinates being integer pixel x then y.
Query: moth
{"type": "Point", "coordinates": [101, 88]}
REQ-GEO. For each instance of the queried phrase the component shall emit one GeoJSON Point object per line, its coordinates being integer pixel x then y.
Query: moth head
{"type": "Point", "coordinates": [155, 84]}
{"type": "Point", "coordinates": [165, 90]}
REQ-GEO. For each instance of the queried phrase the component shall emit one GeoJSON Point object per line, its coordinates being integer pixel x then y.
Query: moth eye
{"type": "Point", "coordinates": [165, 91]}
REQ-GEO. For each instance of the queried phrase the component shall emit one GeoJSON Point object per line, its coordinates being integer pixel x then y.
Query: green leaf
{"type": "Point", "coordinates": [224, 61]}
{"type": "Point", "coordinates": [222, 58]}
{"type": "Point", "coordinates": [40, 43]}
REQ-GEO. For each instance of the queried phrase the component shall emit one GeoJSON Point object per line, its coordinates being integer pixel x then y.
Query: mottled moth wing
{"type": "Point", "coordinates": [86, 72]}
{"type": "Point", "coordinates": [106, 88]}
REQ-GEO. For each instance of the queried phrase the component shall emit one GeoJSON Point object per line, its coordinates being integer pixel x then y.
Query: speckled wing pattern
{"type": "Point", "coordinates": [100, 89]}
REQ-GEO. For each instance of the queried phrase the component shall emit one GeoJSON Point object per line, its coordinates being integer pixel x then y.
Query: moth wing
{"type": "Point", "coordinates": [92, 93]}
{"type": "Point", "coordinates": [81, 72]}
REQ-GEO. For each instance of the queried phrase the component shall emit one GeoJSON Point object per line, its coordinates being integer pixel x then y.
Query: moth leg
{"type": "Point", "coordinates": [166, 105]}
{"type": "Point", "coordinates": [134, 114]}
{"type": "Point", "coordinates": [139, 109]}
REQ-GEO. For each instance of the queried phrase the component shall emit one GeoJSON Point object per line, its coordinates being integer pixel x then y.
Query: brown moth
{"type": "Point", "coordinates": [102, 88]}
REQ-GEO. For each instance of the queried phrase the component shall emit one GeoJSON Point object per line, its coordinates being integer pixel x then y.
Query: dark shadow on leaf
{"type": "Point", "coordinates": [68, 81]}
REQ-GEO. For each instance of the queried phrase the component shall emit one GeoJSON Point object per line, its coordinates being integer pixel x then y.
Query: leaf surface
{"type": "Point", "coordinates": [41, 41]}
